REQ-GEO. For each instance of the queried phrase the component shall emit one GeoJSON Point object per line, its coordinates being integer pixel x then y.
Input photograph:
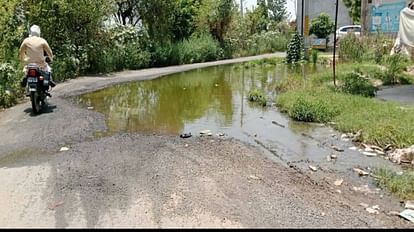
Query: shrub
{"type": "Point", "coordinates": [308, 110]}
{"type": "Point", "coordinates": [257, 95]}
{"type": "Point", "coordinates": [314, 56]}
{"type": "Point", "coordinates": [10, 89]}
{"type": "Point", "coordinates": [295, 46]}
{"type": "Point", "coordinates": [351, 48]}
{"type": "Point", "coordinates": [355, 83]}
{"type": "Point", "coordinates": [197, 49]}
{"type": "Point", "coordinates": [395, 64]}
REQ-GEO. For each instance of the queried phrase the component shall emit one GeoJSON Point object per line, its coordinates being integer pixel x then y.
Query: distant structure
{"type": "Point", "coordinates": [312, 9]}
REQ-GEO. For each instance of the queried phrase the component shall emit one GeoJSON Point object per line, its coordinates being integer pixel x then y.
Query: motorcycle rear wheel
{"type": "Point", "coordinates": [36, 102]}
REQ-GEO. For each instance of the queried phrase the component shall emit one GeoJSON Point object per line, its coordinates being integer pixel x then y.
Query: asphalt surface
{"type": "Point", "coordinates": [157, 181]}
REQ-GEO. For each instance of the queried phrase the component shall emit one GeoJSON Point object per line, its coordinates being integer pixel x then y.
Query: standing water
{"type": "Point", "coordinates": [216, 99]}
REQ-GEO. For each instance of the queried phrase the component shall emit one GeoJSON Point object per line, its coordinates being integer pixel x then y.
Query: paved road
{"type": "Point", "coordinates": [130, 180]}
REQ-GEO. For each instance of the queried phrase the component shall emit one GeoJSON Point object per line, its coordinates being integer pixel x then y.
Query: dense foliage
{"type": "Point", "coordinates": [92, 37]}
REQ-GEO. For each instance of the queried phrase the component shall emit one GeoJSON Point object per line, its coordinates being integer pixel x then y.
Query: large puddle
{"type": "Point", "coordinates": [215, 99]}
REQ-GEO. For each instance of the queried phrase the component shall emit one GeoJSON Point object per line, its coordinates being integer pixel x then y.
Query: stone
{"type": "Point", "coordinates": [64, 149]}
{"type": "Point", "coordinates": [90, 108]}
{"type": "Point", "coordinates": [372, 211]}
{"type": "Point", "coordinates": [338, 182]}
{"type": "Point", "coordinates": [353, 148]}
{"type": "Point", "coordinates": [364, 205]}
{"type": "Point", "coordinates": [334, 156]}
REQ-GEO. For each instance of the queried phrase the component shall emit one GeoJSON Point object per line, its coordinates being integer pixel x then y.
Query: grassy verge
{"type": "Point", "coordinates": [316, 100]}
{"type": "Point", "coordinates": [400, 185]}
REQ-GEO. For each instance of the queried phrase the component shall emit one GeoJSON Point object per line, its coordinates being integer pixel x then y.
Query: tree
{"type": "Point", "coordinates": [295, 47]}
{"type": "Point", "coordinates": [184, 19]}
{"type": "Point", "coordinates": [322, 26]}
{"type": "Point", "coordinates": [277, 10]}
{"type": "Point", "coordinates": [127, 12]}
{"type": "Point", "coordinates": [214, 16]}
{"type": "Point", "coordinates": [354, 9]}
{"type": "Point", "coordinates": [12, 28]}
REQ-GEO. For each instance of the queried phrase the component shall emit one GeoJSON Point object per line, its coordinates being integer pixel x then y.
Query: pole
{"type": "Point", "coordinates": [334, 53]}
{"type": "Point", "coordinates": [303, 16]}
{"type": "Point", "coordinates": [241, 8]}
{"type": "Point", "coordinates": [364, 13]}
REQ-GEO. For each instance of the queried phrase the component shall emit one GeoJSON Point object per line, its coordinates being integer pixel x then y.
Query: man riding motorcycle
{"type": "Point", "coordinates": [33, 49]}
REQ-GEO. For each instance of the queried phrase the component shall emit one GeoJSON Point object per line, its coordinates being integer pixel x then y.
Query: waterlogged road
{"type": "Point", "coordinates": [132, 180]}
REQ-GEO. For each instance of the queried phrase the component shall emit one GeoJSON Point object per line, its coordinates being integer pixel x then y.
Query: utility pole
{"type": "Point", "coordinates": [302, 17]}
{"type": "Point", "coordinates": [364, 15]}
{"type": "Point", "coordinates": [241, 8]}
{"type": "Point", "coordinates": [334, 53]}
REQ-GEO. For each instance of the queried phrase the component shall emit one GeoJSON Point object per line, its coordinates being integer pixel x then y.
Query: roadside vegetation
{"type": "Point", "coordinates": [95, 38]}
{"type": "Point", "coordinates": [401, 185]}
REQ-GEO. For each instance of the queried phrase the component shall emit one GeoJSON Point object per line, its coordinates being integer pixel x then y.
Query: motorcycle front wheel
{"type": "Point", "coordinates": [36, 102]}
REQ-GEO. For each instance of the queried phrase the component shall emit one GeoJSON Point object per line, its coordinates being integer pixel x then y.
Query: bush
{"type": "Point", "coordinates": [400, 185]}
{"type": "Point", "coordinates": [10, 89]}
{"type": "Point", "coordinates": [308, 110]}
{"type": "Point", "coordinates": [351, 48]}
{"type": "Point", "coordinates": [295, 46]}
{"type": "Point", "coordinates": [197, 49]}
{"type": "Point", "coordinates": [395, 64]}
{"type": "Point", "coordinates": [355, 83]}
{"type": "Point", "coordinates": [257, 95]}
{"type": "Point", "coordinates": [314, 56]}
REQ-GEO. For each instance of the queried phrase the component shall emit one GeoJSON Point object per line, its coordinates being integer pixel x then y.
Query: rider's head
{"type": "Point", "coordinates": [35, 31]}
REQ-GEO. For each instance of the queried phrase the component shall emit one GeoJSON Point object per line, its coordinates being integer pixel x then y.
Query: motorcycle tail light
{"type": "Point", "coordinates": [32, 72]}
{"type": "Point", "coordinates": [41, 78]}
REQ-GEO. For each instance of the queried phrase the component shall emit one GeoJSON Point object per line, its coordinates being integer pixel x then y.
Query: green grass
{"type": "Point", "coordinates": [400, 185]}
{"type": "Point", "coordinates": [315, 100]}
{"type": "Point", "coordinates": [257, 95]}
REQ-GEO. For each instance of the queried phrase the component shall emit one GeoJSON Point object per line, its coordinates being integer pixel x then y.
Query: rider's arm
{"type": "Point", "coordinates": [47, 49]}
{"type": "Point", "coordinates": [22, 51]}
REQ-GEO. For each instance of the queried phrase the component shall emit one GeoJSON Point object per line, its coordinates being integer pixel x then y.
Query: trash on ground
{"type": "Point", "coordinates": [64, 149]}
{"type": "Point", "coordinates": [334, 156]}
{"type": "Point", "coordinates": [337, 148]}
{"type": "Point", "coordinates": [55, 205]}
{"type": "Point", "coordinates": [313, 168]}
{"type": "Point", "coordinates": [353, 148]}
{"type": "Point", "coordinates": [361, 172]}
{"type": "Point", "coordinates": [369, 154]}
{"type": "Point", "coordinates": [409, 205]}
{"type": "Point", "coordinates": [372, 211]}
{"type": "Point", "coordinates": [403, 155]}
{"type": "Point", "coordinates": [90, 108]}
{"type": "Point", "coordinates": [408, 214]}
{"type": "Point", "coordinates": [253, 177]}
{"type": "Point", "coordinates": [278, 124]}
{"type": "Point", "coordinates": [185, 135]}
{"type": "Point", "coordinates": [363, 189]}
{"type": "Point", "coordinates": [205, 132]}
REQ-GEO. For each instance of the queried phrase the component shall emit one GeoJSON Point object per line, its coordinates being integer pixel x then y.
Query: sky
{"type": "Point", "coordinates": [290, 6]}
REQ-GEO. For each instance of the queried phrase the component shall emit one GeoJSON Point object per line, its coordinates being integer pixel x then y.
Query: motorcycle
{"type": "Point", "coordinates": [38, 84]}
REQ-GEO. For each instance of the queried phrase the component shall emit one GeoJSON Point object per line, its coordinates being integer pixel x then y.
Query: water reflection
{"type": "Point", "coordinates": [211, 98]}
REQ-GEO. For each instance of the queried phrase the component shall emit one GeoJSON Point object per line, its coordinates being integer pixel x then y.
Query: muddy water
{"type": "Point", "coordinates": [215, 99]}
